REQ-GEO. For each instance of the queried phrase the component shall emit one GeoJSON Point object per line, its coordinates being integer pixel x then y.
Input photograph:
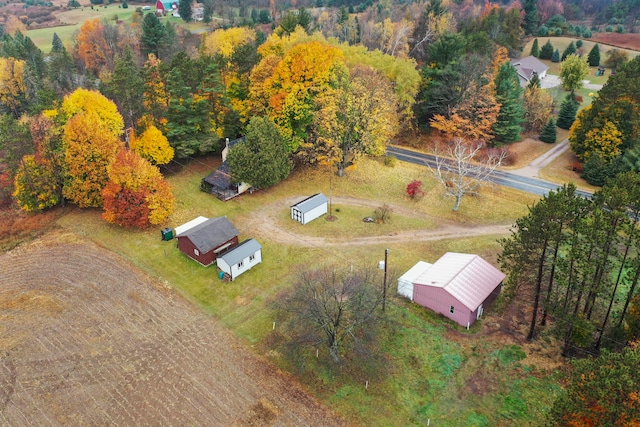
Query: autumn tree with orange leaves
{"type": "Point", "coordinates": [136, 195]}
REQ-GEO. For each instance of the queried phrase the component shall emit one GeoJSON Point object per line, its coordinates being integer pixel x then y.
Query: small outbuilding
{"type": "Point", "coordinates": [310, 208]}
{"type": "Point", "coordinates": [203, 239]}
{"type": "Point", "coordinates": [240, 258]}
{"type": "Point", "coordinates": [458, 286]}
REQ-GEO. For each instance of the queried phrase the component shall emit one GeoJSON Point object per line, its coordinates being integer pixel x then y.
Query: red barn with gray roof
{"type": "Point", "coordinates": [203, 239]}
{"type": "Point", "coordinates": [458, 286]}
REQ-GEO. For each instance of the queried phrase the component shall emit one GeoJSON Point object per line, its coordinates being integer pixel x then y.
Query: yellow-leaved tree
{"type": "Point", "coordinates": [225, 41]}
{"type": "Point", "coordinates": [605, 142]}
{"type": "Point", "coordinates": [13, 89]}
{"type": "Point", "coordinates": [153, 146]}
{"type": "Point", "coordinates": [89, 148]}
{"type": "Point", "coordinates": [91, 127]}
{"type": "Point", "coordinates": [357, 118]}
{"type": "Point", "coordinates": [305, 72]}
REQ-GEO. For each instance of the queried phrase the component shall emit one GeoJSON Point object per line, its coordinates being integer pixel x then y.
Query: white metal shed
{"type": "Point", "coordinates": [405, 282]}
{"type": "Point", "coordinates": [310, 208]}
{"type": "Point", "coordinates": [241, 258]}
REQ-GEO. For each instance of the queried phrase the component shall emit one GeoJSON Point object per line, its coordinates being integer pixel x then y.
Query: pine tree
{"type": "Point", "coordinates": [549, 132]}
{"type": "Point", "coordinates": [568, 111]}
{"type": "Point", "coordinates": [535, 80]}
{"type": "Point", "coordinates": [184, 9]}
{"type": "Point", "coordinates": [56, 44]}
{"type": "Point", "coordinates": [507, 127]}
{"type": "Point", "coordinates": [594, 56]}
{"type": "Point", "coordinates": [556, 56]}
{"type": "Point", "coordinates": [153, 34]}
{"type": "Point", "coordinates": [547, 50]}
{"type": "Point", "coordinates": [571, 49]}
{"type": "Point", "coordinates": [531, 17]}
{"type": "Point", "coordinates": [535, 50]}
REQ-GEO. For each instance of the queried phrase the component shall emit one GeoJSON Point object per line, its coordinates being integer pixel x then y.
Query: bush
{"type": "Point", "coordinates": [608, 28]}
{"type": "Point", "coordinates": [579, 44]}
{"type": "Point", "coordinates": [414, 189]}
{"type": "Point", "coordinates": [383, 213]}
{"type": "Point", "coordinates": [557, 32]}
{"type": "Point", "coordinates": [587, 34]}
{"type": "Point", "coordinates": [620, 28]}
{"type": "Point", "coordinates": [390, 161]}
{"type": "Point", "coordinates": [543, 31]}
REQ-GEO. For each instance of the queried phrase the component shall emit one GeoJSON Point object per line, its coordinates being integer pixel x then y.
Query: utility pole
{"type": "Point", "coordinates": [384, 286]}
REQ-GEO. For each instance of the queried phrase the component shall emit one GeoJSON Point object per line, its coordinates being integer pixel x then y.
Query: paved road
{"type": "Point", "coordinates": [508, 179]}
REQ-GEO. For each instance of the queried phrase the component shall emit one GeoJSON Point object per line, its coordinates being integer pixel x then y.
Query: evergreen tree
{"type": "Point", "coordinates": [531, 17]}
{"type": "Point", "coordinates": [184, 9]}
{"type": "Point", "coordinates": [568, 111]}
{"type": "Point", "coordinates": [262, 160]}
{"type": "Point", "coordinates": [61, 71]}
{"type": "Point", "coordinates": [579, 44]}
{"type": "Point", "coordinates": [547, 50]}
{"type": "Point", "coordinates": [549, 132]}
{"type": "Point", "coordinates": [535, 50]}
{"type": "Point", "coordinates": [556, 56]}
{"type": "Point", "coordinates": [126, 88]}
{"type": "Point", "coordinates": [594, 56]}
{"type": "Point", "coordinates": [571, 49]}
{"type": "Point", "coordinates": [56, 44]}
{"type": "Point", "coordinates": [535, 80]}
{"type": "Point", "coordinates": [153, 34]}
{"type": "Point", "coordinates": [125, 5]}
{"type": "Point", "coordinates": [507, 127]}
{"type": "Point", "coordinates": [304, 18]}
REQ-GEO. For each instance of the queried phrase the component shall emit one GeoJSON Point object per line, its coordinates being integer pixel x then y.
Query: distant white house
{"type": "Point", "coordinates": [240, 258]}
{"type": "Point", "coordinates": [310, 208]}
{"type": "Point", "coordinates": [527, 67]}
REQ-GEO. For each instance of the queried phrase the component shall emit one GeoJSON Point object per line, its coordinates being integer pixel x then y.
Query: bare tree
{"type": "Point", "coordinates": [460, 173]}
{"type": "Point", "coordinates": [333, 308]}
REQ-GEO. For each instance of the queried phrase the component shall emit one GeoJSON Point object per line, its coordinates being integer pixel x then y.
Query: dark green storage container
{"type": "Point", "coordinates": [167, 234]}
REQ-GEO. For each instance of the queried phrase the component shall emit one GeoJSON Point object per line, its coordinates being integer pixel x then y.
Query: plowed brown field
{"type": "Point", "coordinates": [626, 41]}
{"type": "Point", "coordinates": [87, 339]}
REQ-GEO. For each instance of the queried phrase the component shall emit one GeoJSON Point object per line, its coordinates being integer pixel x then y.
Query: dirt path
{"type": "Point", "coordinates": [86, 339]}
{"type": "Point", "coordinates": [265, 223]}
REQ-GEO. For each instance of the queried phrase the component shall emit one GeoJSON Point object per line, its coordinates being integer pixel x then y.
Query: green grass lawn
{"type": "Point", "coordinates": [74, 19]}
{"type": "Point", "coordinates": [430, 369]}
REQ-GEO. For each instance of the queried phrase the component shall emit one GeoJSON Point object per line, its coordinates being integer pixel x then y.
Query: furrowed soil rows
{"type": "Point", "coordinates": [86, 339]}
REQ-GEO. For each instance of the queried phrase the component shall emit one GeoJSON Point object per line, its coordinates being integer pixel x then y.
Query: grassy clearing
{"type": "Point", "coordinates": [561, 44]}
{"type": "Point", "coordinates": [429, 368]}
{"type": "Point", "coordinates": [74, 19]}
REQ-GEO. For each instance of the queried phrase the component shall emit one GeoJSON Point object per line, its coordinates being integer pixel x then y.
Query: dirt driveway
{"type": "Point", "coordinates": [86, 339]}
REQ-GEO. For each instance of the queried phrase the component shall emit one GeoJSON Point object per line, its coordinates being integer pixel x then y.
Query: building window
{"type": "Point", "coordinates": [451, 309]}
{"type": "Point", "coordinates": [197, 252]}
{"type": "Point", "coordinates": [252, 257]}
{"type": "Point", "coordinates": [240, 264]}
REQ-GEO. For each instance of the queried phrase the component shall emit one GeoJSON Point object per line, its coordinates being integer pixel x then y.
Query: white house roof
{"type": "Point", "coordinates": [527, 66]}
{"type": "Point", "coordinates": [414, 272]}
{"type": "Point", "coordinates": [467, 277]}
{"type": "Point", "coordinates": [241, 251]}
{"type": "Point", "coordinates": [186, 226]}
{"type": "Point", "coordinates": [311, 203]}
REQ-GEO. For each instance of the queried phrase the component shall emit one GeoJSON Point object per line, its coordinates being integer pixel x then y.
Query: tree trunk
{"type": "Point", "coordinates": [536, 301]}
{"type": "Point", "coordinates": [457, 204]}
